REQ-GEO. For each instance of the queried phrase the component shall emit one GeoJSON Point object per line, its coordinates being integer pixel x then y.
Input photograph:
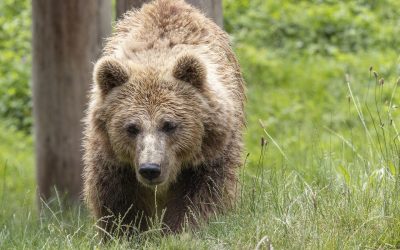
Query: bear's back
{"type": "Point", "coordinates": [163, 24]}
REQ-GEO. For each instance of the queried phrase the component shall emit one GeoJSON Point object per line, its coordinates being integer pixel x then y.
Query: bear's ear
{"type": "Point", "coordinates": [190, 69]}
{"type": "Point", "coordinates": [110, 73]}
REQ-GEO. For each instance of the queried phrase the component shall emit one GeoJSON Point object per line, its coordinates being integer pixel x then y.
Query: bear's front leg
{"type": "Point", "coordinates": [198, 195]}
{"type": "Point", "coordinates": [112, 195]}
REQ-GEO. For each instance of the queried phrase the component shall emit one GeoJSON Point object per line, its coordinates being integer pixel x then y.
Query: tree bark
{"type": "Point", "coordinates": [212, 8]}
{"type": "Point", "coordinates": [67, 39]}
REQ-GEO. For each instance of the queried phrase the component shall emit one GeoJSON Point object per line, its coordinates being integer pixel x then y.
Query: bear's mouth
{"type": "Point", "coordinates": [151, 183]}
{"type": "Point", "coordinates": [154, 182]}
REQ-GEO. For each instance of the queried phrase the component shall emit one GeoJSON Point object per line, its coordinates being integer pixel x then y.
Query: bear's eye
{"type": "Point", "coordinates": [169, 127]}
{"type": "Point", "coordinates": [132, 129]}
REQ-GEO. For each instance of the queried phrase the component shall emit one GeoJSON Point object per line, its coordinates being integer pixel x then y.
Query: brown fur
{"type": "Point", "coordinates": [164, 62]}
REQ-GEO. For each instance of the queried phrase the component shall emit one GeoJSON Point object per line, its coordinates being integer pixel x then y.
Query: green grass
{"type": "Point", "coordinates": [333, 183]}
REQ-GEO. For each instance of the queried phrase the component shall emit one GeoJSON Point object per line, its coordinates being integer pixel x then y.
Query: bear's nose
{"type": "Point", "coordinates": [149, 171]}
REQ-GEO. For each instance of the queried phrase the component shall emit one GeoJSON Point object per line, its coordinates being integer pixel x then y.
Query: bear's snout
{"type": "Point", "coordinates": [149, 171]}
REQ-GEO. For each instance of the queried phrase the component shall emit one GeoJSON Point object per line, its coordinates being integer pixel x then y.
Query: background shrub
{"type": "Point", "coordinates": [15, 54]}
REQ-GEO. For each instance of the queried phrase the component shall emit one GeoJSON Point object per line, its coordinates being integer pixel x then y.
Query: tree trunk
{"type": "Point", "coordinates": [125, 5]}
{"type": "Point", "coordinates": [67, 39]}
{"type": "Point", "coordinates": [212, 8]}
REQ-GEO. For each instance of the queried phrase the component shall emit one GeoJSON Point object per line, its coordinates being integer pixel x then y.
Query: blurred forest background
{"type": "Point", "coordinates": [328, 175]}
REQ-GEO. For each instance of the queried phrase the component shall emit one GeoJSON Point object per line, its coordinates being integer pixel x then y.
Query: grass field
{"type": "Point", "coordinates": [327, 176]}
{"type": "Point", "coordinates": [322, 161]}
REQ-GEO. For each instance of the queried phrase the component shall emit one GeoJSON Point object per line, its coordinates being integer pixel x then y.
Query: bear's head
{"type": "Point", "coordinates": [157, 120]}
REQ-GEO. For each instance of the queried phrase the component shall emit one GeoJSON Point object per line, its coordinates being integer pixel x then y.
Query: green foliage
{"type": "Point", "coordinates": [15, 54]}
{"type": "Point", "coordinates": [314, 27]}
{"type": "Point", "coordinates": [295, 55]}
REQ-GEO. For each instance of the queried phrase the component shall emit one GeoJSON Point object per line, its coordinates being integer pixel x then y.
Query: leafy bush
{"type": "Point", "coordinates": [314, 26]}
{"type": "Point", "coordinates": [15, 54]}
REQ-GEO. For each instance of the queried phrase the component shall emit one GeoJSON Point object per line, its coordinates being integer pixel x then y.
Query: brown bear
{"type": "Point", "coordinates": [163, 136]}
